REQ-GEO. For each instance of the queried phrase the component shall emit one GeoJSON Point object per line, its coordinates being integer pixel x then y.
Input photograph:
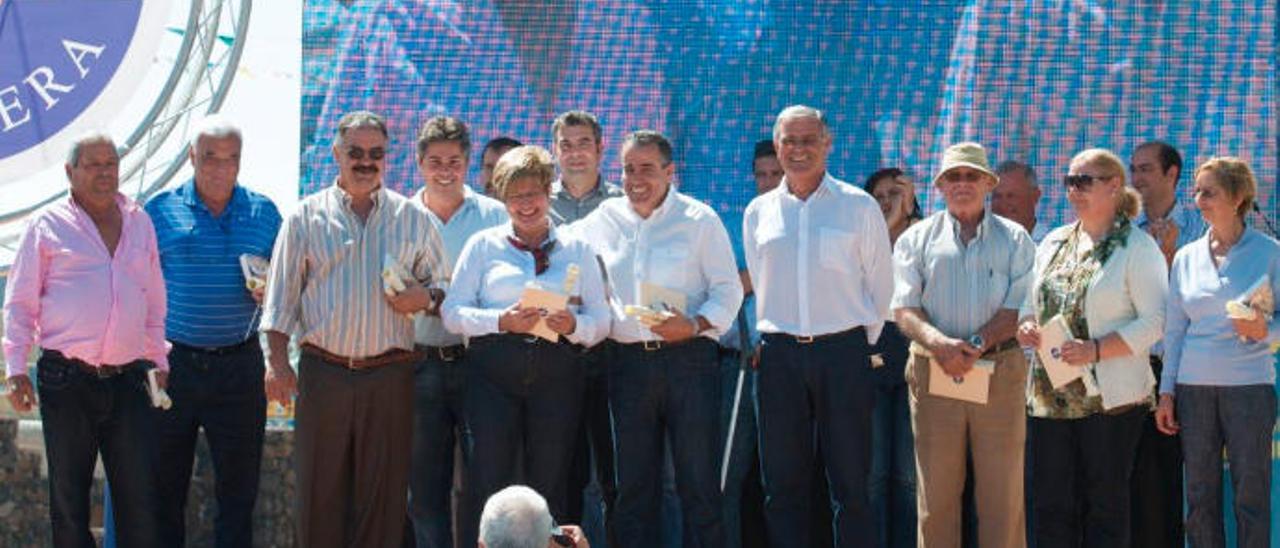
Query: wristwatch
{"type": "Point", "coordinates": [978, 342]}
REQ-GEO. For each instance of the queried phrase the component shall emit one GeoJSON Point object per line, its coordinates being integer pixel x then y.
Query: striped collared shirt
{"type": "Point", "coordinates": [325, 285]}
{"type": "Point", "coordinates": [961, 286]}
{"type": "Point", "coordinates": [209, 304]}
{"type": "Point", "coordinates": [477, 213]}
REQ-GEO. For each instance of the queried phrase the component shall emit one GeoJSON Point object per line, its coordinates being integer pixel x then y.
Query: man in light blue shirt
{"type": "Point", "coordinates": [1156, 167]}
{"type": "Point", "coordinates": [444, 147]}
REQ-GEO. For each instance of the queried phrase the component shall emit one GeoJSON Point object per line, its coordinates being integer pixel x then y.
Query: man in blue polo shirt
{"type": "Point", "coordinates": [216, 378]}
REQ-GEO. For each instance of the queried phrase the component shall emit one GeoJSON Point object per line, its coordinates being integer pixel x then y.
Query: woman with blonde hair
{"type": "Point", "coordinates": [1218, 384]}
{"type": "Point", "coordinates": [1107, 282]}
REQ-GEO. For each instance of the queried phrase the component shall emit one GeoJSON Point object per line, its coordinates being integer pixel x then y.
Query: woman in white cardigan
{"type": "Point", "coordinates": [1108, 281]}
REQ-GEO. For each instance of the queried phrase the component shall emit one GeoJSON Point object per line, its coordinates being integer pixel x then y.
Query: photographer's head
{"type": "Point", "coordinates": [518, 517]}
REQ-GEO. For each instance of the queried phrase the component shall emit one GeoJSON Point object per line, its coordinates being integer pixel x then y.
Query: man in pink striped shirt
{"type": "Point", "coordinates": [86, 288]}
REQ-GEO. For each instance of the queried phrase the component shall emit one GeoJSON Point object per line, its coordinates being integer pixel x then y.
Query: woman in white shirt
{"type": "Point", "coordinates": [1107, 279]}
{"type": "Point", "coordinates": [1218, 384]}
{"type": "Point", "coordinates": [524, 385]}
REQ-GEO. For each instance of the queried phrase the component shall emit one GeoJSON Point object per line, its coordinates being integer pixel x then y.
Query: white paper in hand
{"type": "Point", "coordinates": [1053, 334]}
{"type": "Point", "coordinates": [1258, 299]}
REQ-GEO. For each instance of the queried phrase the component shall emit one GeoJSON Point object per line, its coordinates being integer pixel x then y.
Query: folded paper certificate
{"type": "Point", "coordinates": [1258, 299]}
{"type": "Point", "coordinates": [548, 302]}
{"type": "Point", "coordinates": [255, 270]}
{"type": "Point", "coordinates": [972, 387]}
{"type": "Point", "coordinates": [660, 298]}
{"type": "Point", "coordinates": [1052, 334]}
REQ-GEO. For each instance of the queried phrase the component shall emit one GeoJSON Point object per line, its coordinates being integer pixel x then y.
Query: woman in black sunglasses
{"type": "Point", "coordinates": [1098, 291]}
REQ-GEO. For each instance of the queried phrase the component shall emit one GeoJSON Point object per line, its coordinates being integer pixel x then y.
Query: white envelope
{"type": "Point", "coordinates": [1052, 334]}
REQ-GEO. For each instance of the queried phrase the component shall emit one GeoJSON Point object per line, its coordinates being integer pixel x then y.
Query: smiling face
{"type": "Point", "coordinates": [646, 176]}
{"type": "Point", "coordinates": [1155, 184]}
{"type": "Point", "coordinates": [444, 166]}
{"type": "Point", "coordinates": [527, 202]}
{"type": "Point", "coordinates": [803, 145]}
{"type": "Point", "coordinates": [216, 161]}
{"type": "Point", "coordinates": [1218, 207]}
{"type": "Point", "coordinates": [767, 171]}
{"type": "Point", "coordinates": [361, 157]}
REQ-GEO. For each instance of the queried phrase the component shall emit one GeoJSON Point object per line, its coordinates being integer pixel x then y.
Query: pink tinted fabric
{"type": "Point", "coordinates": [65, 292]}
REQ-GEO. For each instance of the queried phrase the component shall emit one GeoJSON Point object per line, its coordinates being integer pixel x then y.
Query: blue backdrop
{"type": "Point", "coordinates": [1034, 81]}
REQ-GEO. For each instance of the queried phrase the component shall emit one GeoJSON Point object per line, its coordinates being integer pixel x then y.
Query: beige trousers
{"type": "Point", "coordinates": [945, 430]}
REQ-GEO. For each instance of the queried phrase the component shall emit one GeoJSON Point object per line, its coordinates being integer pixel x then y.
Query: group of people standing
{"type": "Point", "coordinates": [569, 324]}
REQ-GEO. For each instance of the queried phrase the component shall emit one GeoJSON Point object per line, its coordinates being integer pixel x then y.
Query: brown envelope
{"type": "Point", "coordinates": [972, 387]}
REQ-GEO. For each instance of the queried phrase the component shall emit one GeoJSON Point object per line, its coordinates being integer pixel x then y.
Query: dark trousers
{"type": "Point", "coordinates": [82, 416]}
{"type": "Point", "coordinates": [1081, 482]}
{"type": "Point", "coordinates": [671, 393]}
{"type": "Point", "coordinates": [439, 392]}
{"type": "Point", "coordinates": [223, 394]}
{"type": "Point", "coordinates": [892, 484]}
{"type": "Point", "coordinates": [1156, 491]}
{"type": "Point", "coordinates": [742, 451]}
{"type": "Point", "coordinates": [594, 490]}
{"type": "Point", "coordinates": [523, 398]}
{"type": "Point", "coordinates": [825, 387]}
{"type": "Point", "coordinates": [353, 437]}
{"type": "Point", "coordinates": [1241, 419]}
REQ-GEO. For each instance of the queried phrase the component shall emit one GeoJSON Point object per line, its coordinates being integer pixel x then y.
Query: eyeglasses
{"type": "Point", "coordinates": [375, 154]}
{"type": "Point", "coordinates": [968, 176]}
{"type": "Point", "coordinates": [1083, 182]}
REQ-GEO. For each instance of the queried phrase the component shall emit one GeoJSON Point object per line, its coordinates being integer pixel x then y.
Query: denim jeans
{"type": "Point", "coordinates": [83, 416]}
{"type": "Point", "coordinates": [439, 389]}
{"type": "Point", "coordinates": [1241, 419]}
{"type": "Point", "coordinates": [222, 394]}
{"type": "Point", "coordinates": [743, 450]}
{"type": "Point", "coordinates": [823, 386]}
{"type": "Point", "coordinates": [672, 393]}
{"type": "Point", "coordinates": [593, 460]}
{"type": "Point", "coordinates": [524, 397]}
{"type": "Point", "coordinates": [892, 484]}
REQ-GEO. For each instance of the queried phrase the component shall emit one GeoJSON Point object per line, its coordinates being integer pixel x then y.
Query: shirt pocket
{"type": "Point", "coordinates": [835, 249]}
{"type": "Point", "coordinates": [669, 265]}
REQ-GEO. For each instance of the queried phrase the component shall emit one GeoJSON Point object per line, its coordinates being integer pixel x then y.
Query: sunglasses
{"type": "Point", "coordinates": [1082, 182]}
{"type": "Point", "coordinates": [375, 154]}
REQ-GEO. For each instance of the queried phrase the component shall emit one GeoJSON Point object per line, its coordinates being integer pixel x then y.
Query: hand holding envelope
{"type": "Point", "coordinates": [549, 303]}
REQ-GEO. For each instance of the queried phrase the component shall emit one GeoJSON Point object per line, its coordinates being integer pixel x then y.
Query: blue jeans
{"type": "Point", "coordinates": [743, 452]}
{"type": "Point", "coordinates": [439, 389]}
{"type": "Point", "coordinates": [823, 386]}
{"type": "Point", "coordinates": [1239, 418]}
{"type": "Point", "coordinates": [82, 416]}
{"type": "Point", "coordinates": [223, 394]}
{"type": "Point", "coordinates": [892, 484]}
{"type": "Point", "coordinates": [672, 391]}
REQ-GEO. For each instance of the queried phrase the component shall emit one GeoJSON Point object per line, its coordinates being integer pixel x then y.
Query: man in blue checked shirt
{"type": "Point", "coordinates": [216, 378]}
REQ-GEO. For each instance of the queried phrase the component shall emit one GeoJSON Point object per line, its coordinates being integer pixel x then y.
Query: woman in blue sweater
{"type": "Point", "coordinates": [1217, 388]}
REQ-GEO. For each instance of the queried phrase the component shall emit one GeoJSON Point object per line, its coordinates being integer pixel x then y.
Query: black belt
{"type": "Point", "coordinates": [104, 371]}
{"type": "Point", "coordinates": [217, 350]}
{"type": "Point", "coordinates": [810, 339]}
{"type": "Point", "coordinates": [446, 354]}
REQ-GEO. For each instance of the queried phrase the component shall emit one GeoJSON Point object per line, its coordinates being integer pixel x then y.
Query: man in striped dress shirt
{"type": "Point", "coordinates": [203, 227]}
{"type": "Point", "coordinates": [355, 378]}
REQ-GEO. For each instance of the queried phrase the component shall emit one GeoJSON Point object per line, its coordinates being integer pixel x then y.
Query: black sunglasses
{"type": "Point", "coordinates": [357, 153]}
{"type": "Point", "coordinates": [1082, 181]}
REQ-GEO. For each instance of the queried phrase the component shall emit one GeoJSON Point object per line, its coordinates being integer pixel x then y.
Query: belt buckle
{"type": "Point", "coordinates": [351, 363]}
{"type": "Point", "coordinates": [102, 373]}
{"type": "Point", "coordinates": [651, 346]}
{"type": "Point", "coordinates": [446, 355]}
{"type": "Point", "coordinates": [804, 339]}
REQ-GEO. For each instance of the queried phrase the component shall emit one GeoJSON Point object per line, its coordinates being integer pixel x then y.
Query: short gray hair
{"type": "Point", "coordinates": [515, 517]}
{"type": "Point", "coordinates": [95, 137]}
{"type": "Point", "coordinates": [1010, 166]}
{"type": "Point", "coordinates": [800, 111]}
{"type": "Point", "coordinates": [360, 119]}
{"type": "Point", "coordinates": [215, 126]}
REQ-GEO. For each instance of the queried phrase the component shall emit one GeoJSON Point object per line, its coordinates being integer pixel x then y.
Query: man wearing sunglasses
{"type": "Point", "coordinates": [355, 376]}
{"type": "Point", "coordinates": [961, 275]}
{"type": "Point", "coordinates": [1156, 167]}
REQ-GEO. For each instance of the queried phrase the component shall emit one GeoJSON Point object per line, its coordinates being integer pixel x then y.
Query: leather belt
{"type": "Point", "coordinates": [105, 371]}
{"type": "Point", "coordinates": [447, 354]}
{"type": "Point", "coordinates": [217, 350]}
{"type": "Point", "coordinates": [1002, 346]}
{"type": "Point", "coordinates": [810, 339]}
{"type": "Point", "coordinates": [390, 357]}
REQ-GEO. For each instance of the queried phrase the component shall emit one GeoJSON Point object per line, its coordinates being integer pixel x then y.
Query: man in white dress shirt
{"type": "Point", "coordinates": [660, 246]}
{"type": "Point", "coordinates": [818, 252]}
